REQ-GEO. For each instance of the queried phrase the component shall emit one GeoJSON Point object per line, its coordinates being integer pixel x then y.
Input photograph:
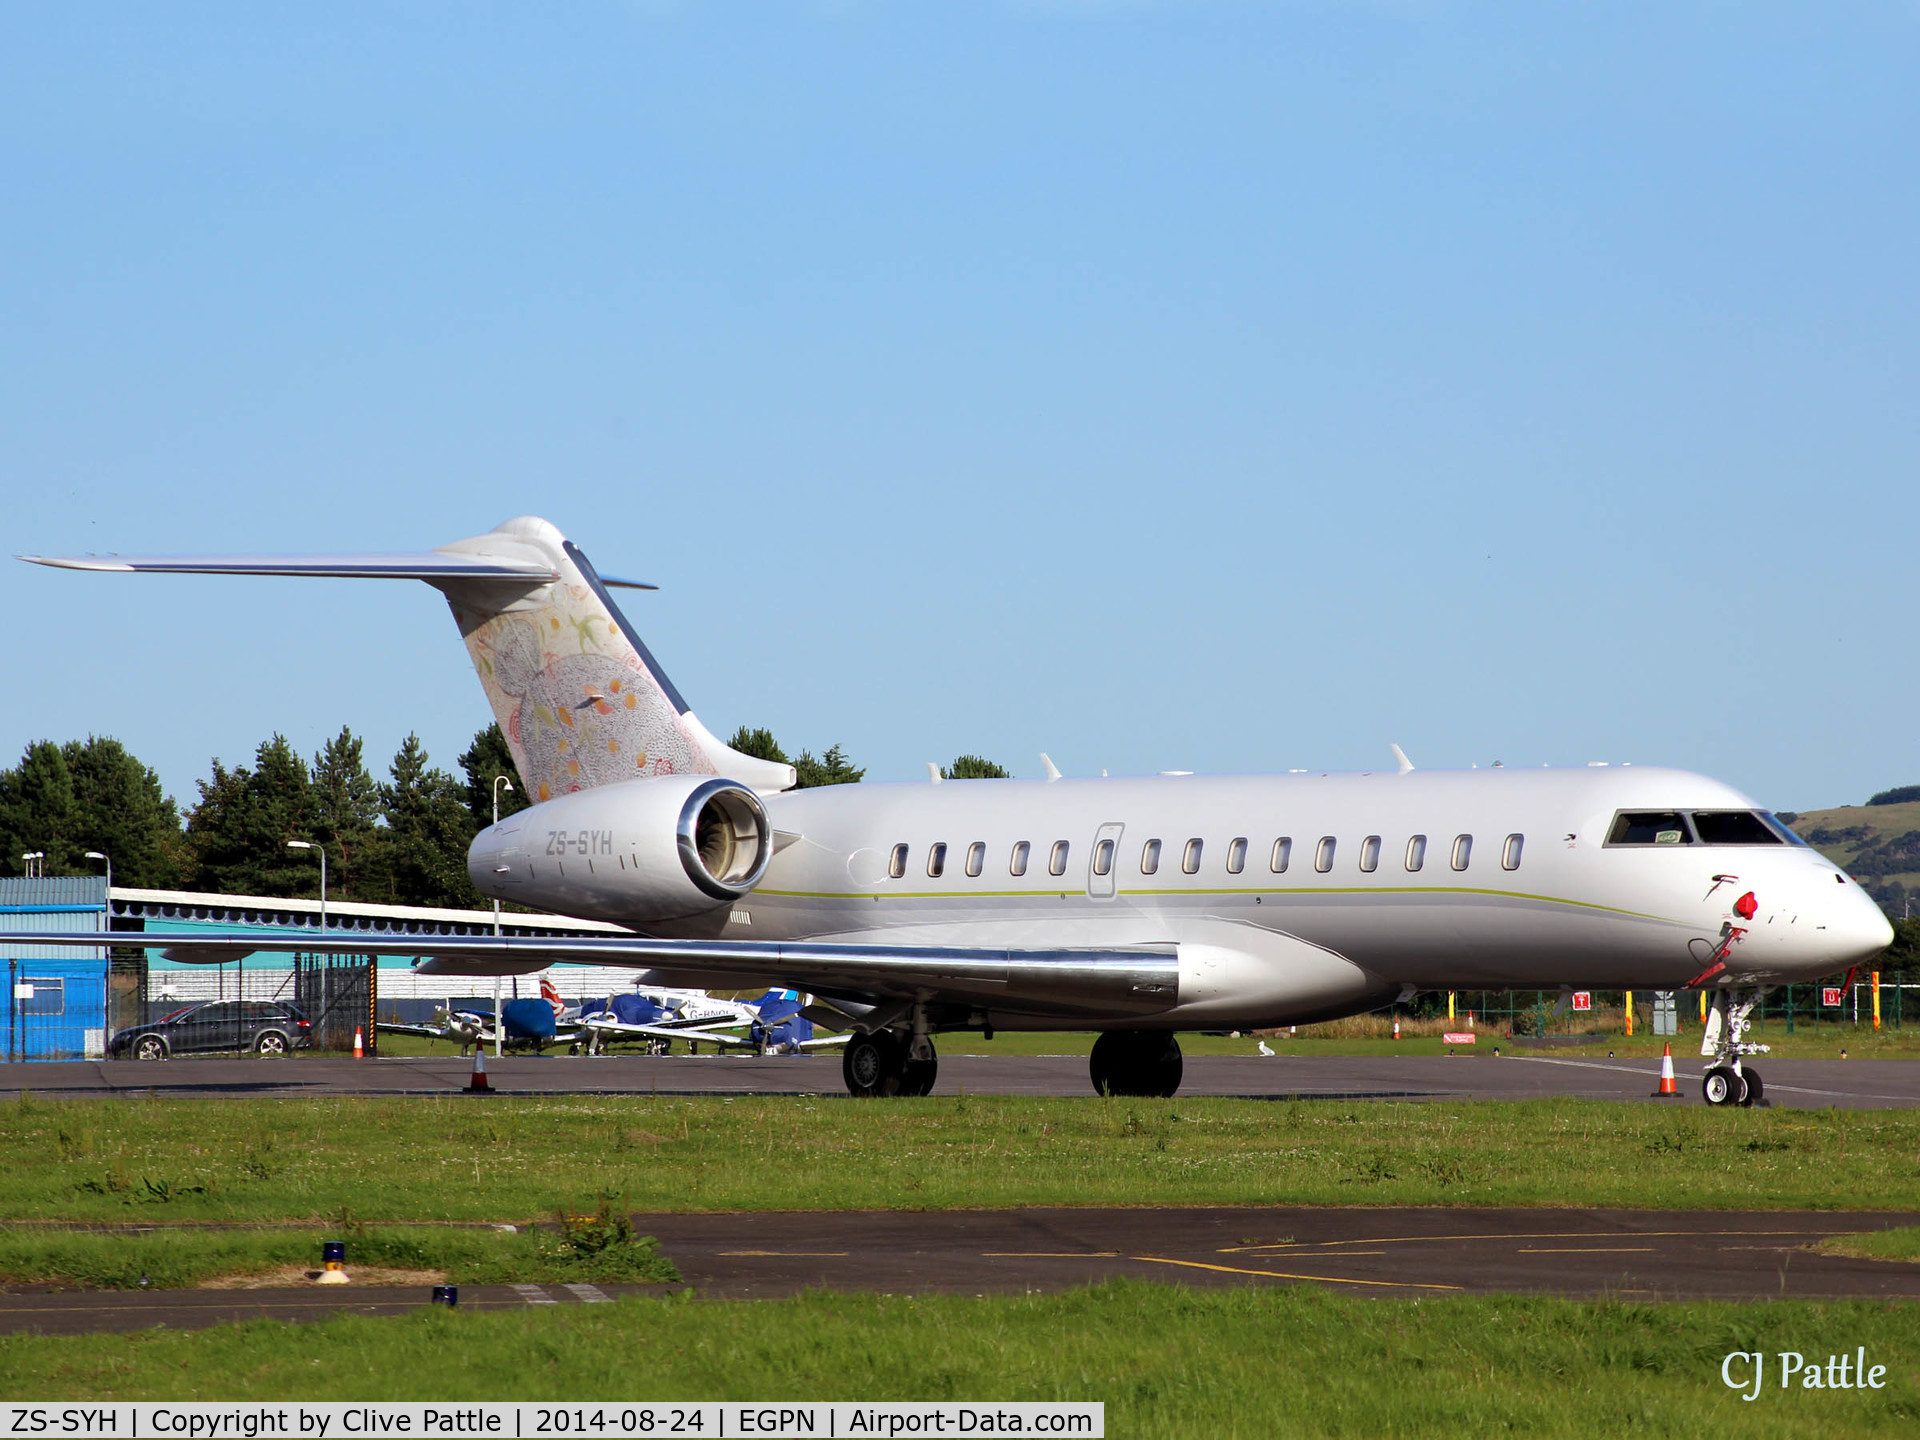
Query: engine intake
{"type": "Point", "coordinates": [641, 851]}
{"type": "Point", "coordinates": [725, 841]}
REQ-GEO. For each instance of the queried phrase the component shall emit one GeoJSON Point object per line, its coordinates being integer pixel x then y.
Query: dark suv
{"type": "Point", "coordinates": [265, 1026]}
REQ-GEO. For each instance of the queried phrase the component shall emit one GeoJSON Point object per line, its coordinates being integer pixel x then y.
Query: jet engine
{"type": "Point", "coordinates": [638, 852]}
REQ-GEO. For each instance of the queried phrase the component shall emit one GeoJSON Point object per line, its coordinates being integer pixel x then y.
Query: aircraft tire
{"type": "Point", "coordinates": [1136, 1063]}
{"type": "Point", "coordinates": [1721, 1086]}
{"type": "Point", "coordinates": [1754, 1090]}
{"type": "Point", "coordinates": [917, 1076]}
{"type": "Point", "coordinates": [874, 1066]}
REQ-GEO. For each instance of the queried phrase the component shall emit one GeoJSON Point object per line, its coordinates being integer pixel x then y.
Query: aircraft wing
{"type": "Point", "coordinates": [1142, 980]}
{"type": "Point", "coordinates": [425, 1032]}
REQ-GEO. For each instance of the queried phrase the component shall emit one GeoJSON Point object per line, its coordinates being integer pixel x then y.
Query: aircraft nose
{"type": "Point", "coordinates": [1857, 930]}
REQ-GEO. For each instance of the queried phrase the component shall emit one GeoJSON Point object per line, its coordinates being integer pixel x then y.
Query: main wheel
{"type": "Point", "coordinates": [1754, 1088]}
{"type": "Point", "coordinates": [871, 1065]}
{"type": "Point", "coordinates": [149, 1047]}
{"type": "Point", "coordinates": [271, 1042]}
{"type": "Point", "coordinates": [1136, 1062]}
{"type": "Point", "coordinates": [1722, 1086]}
{"type": "Point", "coordinates": [917, 1076]}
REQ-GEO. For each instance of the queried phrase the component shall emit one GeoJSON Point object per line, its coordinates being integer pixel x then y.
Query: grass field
{"type": "Point", "coordinates": [1809, 1041]}
{"type": "Point", "coordinates": [177, 1258]}
{"type": "Point", "coordinates": [1166, 1361]}
{"type": "Point", "coordinates": [512, 1159]}
{"type": "Point", "coordinates": [1901, 1243]}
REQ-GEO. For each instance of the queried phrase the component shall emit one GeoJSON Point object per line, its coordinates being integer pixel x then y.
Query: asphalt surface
{"type": "Point", "coordinates": [1636, 1254]}
{"type": "Point", "coordinates": [1846, 1084]}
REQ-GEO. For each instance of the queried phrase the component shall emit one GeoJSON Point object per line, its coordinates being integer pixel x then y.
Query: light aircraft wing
{"type": "Point", "coordinates": [1112, 982]}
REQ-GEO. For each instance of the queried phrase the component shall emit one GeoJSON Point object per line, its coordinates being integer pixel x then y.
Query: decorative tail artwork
{"type": "Point", "coordinates": [579, 698]}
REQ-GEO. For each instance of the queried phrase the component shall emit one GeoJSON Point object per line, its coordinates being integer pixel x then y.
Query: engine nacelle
{"type": "Point", "coordinates": [644, 850]}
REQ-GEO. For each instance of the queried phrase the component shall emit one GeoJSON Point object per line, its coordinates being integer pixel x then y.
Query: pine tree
{"type": "Point", "coordinates": [428, 831]}
{"type": "Point", "coordinates": [240, 828]}
{"type": "Point", "coordinates": [487, 757]}
{"type": "Point", "coordinates": [973, 767]}
{"type": "Point", "coordinates": [346, 817]}
{"type": "Point", "coordinates": [758, 743]}
{"type": "Point", "coordinates": [832, 768]}
{"type": "Point", "coordinates": [38, 811]}
{"type": "Point", "coordinates": [121, 811]}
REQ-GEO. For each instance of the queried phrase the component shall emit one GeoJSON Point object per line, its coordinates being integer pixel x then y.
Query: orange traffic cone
{"type": "Point", "coordinates": [1668, 1090]}
{"type": "Point", "coordinates": [1396, 1028]}
{"type": "Point", "coordinates": [359, 1044]}
{"type": "Point", "coordinates": [477, 1082]}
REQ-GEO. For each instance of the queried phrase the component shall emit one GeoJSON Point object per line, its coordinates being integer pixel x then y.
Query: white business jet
{"type": "Point", "coordinates": [1133, 907]}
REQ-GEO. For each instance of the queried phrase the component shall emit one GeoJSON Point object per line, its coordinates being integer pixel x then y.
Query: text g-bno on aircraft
{"type": "Point", "coordinates": [1134, 907]}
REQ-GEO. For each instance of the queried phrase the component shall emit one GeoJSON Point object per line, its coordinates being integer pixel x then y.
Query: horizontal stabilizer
{"type": "Point", "coordinates": [430, 565]}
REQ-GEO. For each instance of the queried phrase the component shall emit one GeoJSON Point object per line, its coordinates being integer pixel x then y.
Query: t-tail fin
{"type": "Point", "coordinates": [579, 697]}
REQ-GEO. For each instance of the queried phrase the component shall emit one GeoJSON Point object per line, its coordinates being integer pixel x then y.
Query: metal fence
{"type": "Point", "coordinates": [1552, 1012]}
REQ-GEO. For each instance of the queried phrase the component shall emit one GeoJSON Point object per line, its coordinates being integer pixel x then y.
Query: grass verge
{"type": "Point", "coordinates": [179, 1258]}
{"type": "Point", "coordinates": [1166, 1361]}
{"type": "Point", "coordinates": [399, 1159]}
{"type": "Point", "coordinates": [1902, 1243]}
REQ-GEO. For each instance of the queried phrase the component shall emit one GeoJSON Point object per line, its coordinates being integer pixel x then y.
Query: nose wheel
{"type": "Point", "coordinates": [1729, 1081]}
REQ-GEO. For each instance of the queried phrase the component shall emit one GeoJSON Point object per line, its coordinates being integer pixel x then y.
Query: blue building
{"type": "Point", "coordinates": [56, 997]}
{"type": "Point", "coordinates": [63, 1003]}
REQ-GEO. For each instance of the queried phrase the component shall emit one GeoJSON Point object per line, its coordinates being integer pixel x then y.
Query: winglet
{"type": "Point", "coordinates": [1053, 770]}
{"type": "Point", "coordinates": [1401, 756]}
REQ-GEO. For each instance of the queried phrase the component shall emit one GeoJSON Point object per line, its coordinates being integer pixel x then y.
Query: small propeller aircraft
{"type": "Point", "coordinates": [530, 1024]}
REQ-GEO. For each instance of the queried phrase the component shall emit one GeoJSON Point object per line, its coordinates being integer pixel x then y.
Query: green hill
{"type": "Point", "coordinates": [1879, 845]}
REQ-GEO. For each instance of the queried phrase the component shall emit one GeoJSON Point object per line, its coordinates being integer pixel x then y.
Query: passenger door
{"type": "Point", "coordinates": [1103, 863]}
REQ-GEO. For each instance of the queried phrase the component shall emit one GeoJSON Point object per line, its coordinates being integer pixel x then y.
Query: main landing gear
{"type": "Point", "coordinates": [1729, 1081]}
{"type": "Point", "coordinates": [1136, 1062]}
{"type": "Point", "coordinates": [884, 1063]}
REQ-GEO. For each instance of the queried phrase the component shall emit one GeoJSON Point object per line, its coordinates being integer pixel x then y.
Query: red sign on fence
{"type": "Point", "coordinates": [1831, 994]}
{"type": "Point", "coordinates": [1583, 999]}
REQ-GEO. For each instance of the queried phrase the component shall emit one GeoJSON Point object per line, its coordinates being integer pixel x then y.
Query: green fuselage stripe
{"type": "Point", "coordinates": [1204, 890]}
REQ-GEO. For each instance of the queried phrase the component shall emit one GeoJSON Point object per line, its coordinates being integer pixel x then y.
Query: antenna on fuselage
{"type": "Point", "coordinates": [1400, 755]}
{"type": "Point", "coordinates": [1053, 770]}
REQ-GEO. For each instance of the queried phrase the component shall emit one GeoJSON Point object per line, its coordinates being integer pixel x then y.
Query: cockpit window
{"type": "Point", "coordinates": [1650, 827]}
{"type": "Point", "coordinates": [1732, 827]}
{"type": "Point", "coordinates": [1699, 827]}
{"type": "Point", "coordinates": [1782, 829]}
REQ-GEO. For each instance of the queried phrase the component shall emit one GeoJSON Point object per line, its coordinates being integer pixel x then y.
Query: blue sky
{"type": "Point", "coordinates": [1198, 386]}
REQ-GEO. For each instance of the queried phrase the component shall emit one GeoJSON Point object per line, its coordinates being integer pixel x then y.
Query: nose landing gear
{"type": "Point", "coordinates": [1729, 1081]}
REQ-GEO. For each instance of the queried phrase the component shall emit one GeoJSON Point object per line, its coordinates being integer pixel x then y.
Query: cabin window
{"type": "Point", "coordinates": [1323, 857]}
{"type": "Point", "coordinates": [1018, 865]}
{"type": "Point", "coordinates": [976, 858]}
{"type": "Point", "coordinates": [1150, 858]}
{"type": "Point", "coordinates": [1103, 858]}
{"type": "Point", "coordinates": [1237, 855]}
{"type": "Point", "coordinates": [1462, 851]}
{"type": "Point", "coordinates": [1650, 827]}
{"type": "Point", "coordinates": [897, 863]}
{"type": "Point", "coordinates": [1510, 852]}
{"type": "Point", "coordinates": [1057, 862]}
{"type": "Point", "coordinates": [1190, 858]}
{"type": "Point", "coordinates": [1732, 827]}
{"type": "Point", "coordinates": [937, 860]}
{"type": "Point", "coordinates": [1416, 852]}
{"type": "Point", "coordinates": [1370, 854]}
{"type": "Point", "coordinates": [1282, 852]}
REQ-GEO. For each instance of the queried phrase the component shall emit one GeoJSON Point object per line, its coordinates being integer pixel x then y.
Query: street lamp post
{"type": "Point", "coordinates": [108, 862]}
{"type": "Point", "coordinates": [499, 1024]}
